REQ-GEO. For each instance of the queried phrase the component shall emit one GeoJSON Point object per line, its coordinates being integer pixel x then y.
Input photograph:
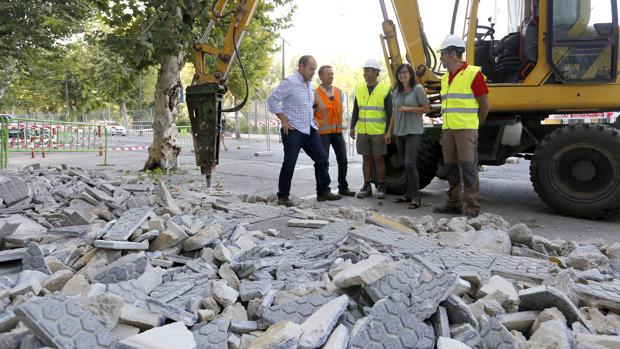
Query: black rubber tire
{"type": "Point", "coordinates": [429, 158]}
{"type": "Point", "coordinates": [576, 171]}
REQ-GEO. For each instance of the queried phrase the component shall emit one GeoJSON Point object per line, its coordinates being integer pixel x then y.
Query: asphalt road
{"type": "Point", "coordinates": [505, 190]}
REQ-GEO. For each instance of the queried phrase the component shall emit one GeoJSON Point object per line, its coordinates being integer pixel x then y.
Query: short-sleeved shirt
{"type": "Point", "coordinates": [478, 86]}
{"type": "Point", "coordinates": [407, 123]}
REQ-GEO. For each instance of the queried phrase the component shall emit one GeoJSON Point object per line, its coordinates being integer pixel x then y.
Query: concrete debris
{"type": "Point", "coordinates": [91, 259]}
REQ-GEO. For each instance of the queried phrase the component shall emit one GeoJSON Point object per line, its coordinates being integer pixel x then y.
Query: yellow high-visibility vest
{"type": "Point", "coordinates": [372, 114]}
{"type": "Point", "coordinates": [459, 107]}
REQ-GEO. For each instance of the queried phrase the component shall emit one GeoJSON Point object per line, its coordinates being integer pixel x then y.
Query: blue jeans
{"type": "Point", "coordinates": [312, 145]}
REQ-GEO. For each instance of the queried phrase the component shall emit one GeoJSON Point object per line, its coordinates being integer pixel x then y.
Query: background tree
{"type": "Point", "coordinates": [161, 33]}
{"type": "Point", "coordinates": [29, 25]}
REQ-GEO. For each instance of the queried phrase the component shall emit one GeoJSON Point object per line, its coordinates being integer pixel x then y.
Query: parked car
{"type": "Point", "coordinates": [114, 128]}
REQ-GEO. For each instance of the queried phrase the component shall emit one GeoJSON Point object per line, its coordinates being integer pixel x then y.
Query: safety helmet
{"type": "Point", "coordinates": [452, 41]}
{"type": "Point", "coordinates": [373, 63]}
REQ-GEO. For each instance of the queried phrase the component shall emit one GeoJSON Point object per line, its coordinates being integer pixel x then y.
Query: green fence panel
{"type": "Point", "coordinates": [50, 136]}
{"type": "Point", "coordinates": [4, 138]}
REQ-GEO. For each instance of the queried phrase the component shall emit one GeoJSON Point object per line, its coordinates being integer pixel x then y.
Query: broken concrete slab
{"type": "Point", "coordinates": [402, 278]}
{"type": "Point", "coordinates": [58, 280]}
{"type": "Point", "coordinates": [141, 318]}
{"type": "Point", "coordinates": [172, 236]}
{"type": "Point", "coordinates": [207, 236]}
{"type": "Point", "coordinates": [60, 322]}
{"type": "Point", "coordinates": [34, 259]}
{"type": "Point", "coordinates": [121, 245]}
{"type": "Point", "coordinates": [605, 294]}
{"type": "Point", "coordinates": [14, 190]}
{"type": "Point", "coordinates": [466, 334]}
{"type": "Point", "coordinates": [165, 199]}
{"type": "Point", "coordinates": [254, 289]}
{"type": "Point", "coordinates": [126, 268]}
{"type": "Point", "coordinates": [307, 223]}
{"type": "Point", "coordinates": [339, 339]}
{"type": "Point", "coordinates": [543, 297]}
{"type": "Point", "coordinates": [228, 274]}
{"type": "Point", "coordinates": [519, 321]}
{"type": "Point", "coordinates": [606, 341]}
{"type": "Point", "coordinates": [552, 334]}
{"type": "Point", "coordinates": [495, 335]}
{"type": "Point", "coordinates": [432, 290]}
{"type": "Point", "coordinates": [547, 315]}
{"type": "Point", "coordinates": [449, 343]}
{"type": "Point", "coordinates": [127, 224]}
{"type": "Point", "coordinates": [284, 334]}
{"type": "Point", "coordinates": [224, 294]}
{"type": "Point", "coordinates": [174, 335]}
{"type": "Point", "coordinates": [364, 272]}
{"type": "Point", "coordinates": [587, 257]}
{"type": "Point", "coordinates": [388, 223]}
{"type": "Point", "coordinates": [520, 234]}
{"type": "Point", "coordinates": [441, 323]}
{"type": "Point", "coordinates": [296, 310]}
{"type": "Point", "coordinates": [171, 312]}
{"type": "Point", "coordinates": [499, 284]}
{"type": "Point", "coordinates": [211, 335]}
{"type": "Point", "coordinates": [492, 240]}
{"type": "Point", "coordinates": [317, 328]}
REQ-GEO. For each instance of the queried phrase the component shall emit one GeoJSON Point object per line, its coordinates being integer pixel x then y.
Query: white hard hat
{"type": "Point", "coordinates": [452, 40]}
{"type": "Point", "coordinates": [373, 63]}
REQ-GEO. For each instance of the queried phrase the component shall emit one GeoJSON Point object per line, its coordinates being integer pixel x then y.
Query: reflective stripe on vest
{"type": "Point", "coordinates": [328, 116]}
{"type": "Point", "coordinates": [372, 116]}
{"type": "Point", "coordinates": [459, 106]}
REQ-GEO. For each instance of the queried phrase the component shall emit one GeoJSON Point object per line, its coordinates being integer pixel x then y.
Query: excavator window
{"type": "Point", "coordinates": [583, 40]}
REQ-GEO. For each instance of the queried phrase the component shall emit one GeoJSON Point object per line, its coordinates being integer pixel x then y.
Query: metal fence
{"type": "Point", "coordinates": [50, 136]}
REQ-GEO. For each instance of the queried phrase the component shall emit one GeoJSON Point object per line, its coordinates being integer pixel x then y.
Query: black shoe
{"type": "Point", "coordinates": [365, 192]}
{"type": "Point", "coordinates": [285, 201]}
{"type": "Point", "coordinates": [448, 209]}
{"type": "Point", "coordinates": [328, 197]}
{"type": "Point", "coordinates": [346, 192]}
{"type": "Point", "coordinates": [381, 191]}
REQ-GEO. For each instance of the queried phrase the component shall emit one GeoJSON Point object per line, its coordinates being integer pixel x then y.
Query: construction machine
{"type": "Point", "coordinates": [555, 57]}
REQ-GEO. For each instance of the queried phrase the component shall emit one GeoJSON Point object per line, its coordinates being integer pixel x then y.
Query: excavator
{"type": "Point", "coordinates": [555, 57]}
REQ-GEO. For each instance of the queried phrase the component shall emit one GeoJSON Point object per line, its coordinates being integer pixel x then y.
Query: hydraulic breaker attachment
{"type": "Point", "coordinates": [204, 103]}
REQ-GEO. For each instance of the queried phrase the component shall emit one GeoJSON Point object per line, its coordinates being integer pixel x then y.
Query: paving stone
{"type": "Point", "coordinates": [141, 318]}
{"type": "Point", "coordinates": [606, 294]}
{"type": "Point", "coordinates": [192, 299]}
{"type": "Point", "coordinates": [171, 312]}
{"type": "Point", "coordinates": [14, 190]}
{"type": "Point", "coordinates": [135, 188]}
{"type": "Point", "coordinates": [8, 320]}
{"type": "Point", "coordinates": [523, 268]}
{"type": "Point", "coordinates": [58, 280]}
{"type": "Point", "coordinates": [12, 255]}
{"type": "Point", "coordinates": [149, 235]}
{"type": "Point", "coordinates": [297, 310]}
{"type": "Point", "coordinates": [254, 289]}
{"type": "Point", "coordinates": [543, 297]}
{"type": "Point", "coordinates": [60, 322]}
{"type": "Point", "coordinates": [128, 223]}
{"type": "Point", "coordinates": [441, 324]}
{"type": "Point", "coordinates": [130, 291]}
{"type": "Point", "coordinates": [75, 231]}
{"type": "Point", "coordinates": [307, 223]}
{"type": "Point", "coordinates": [244, 326]}
{"type": "Point", "coordinates": [283, 335]}
{"type": "Point", "coordinates": [466, 334]}
{"type": "Point", "coordinates": [98, 194]}
{"type": "Point", "coordinates": [213, 335]}
{"type": "Point", "coordinates": [339, 339]}
{"type": "Point", "coordinates": [34, 259]}
{"type": "Point", "coordinates": [126, 268]}
{"type": "Point", "coordinates": [552, 334]}
{"type": "Point", "coordinates": [402, 278]}
{"type": "Point", "coordinates": [172, 236]}
{"type": "Point", "coordinates": [606, 341]}
{"type": "Point", "coordinates": [494, 335]}
{"type": "Point", "coordinates": [519, 321]}
{"type": "Point", "coordinates": [174, 335]}
{"type": "Point", "coordinates": [432, 290]}
{"type": "Point", "coordinates": [388, 223]}
{"type": "Point", "coordinates": [317, 328]}
{"type": "Point", "coordinates": [165, 199]}
{"type": "Point", "coordinates": [28, 284]}
{"type": "Point", "coordinates": [364, 272]}
{"type": "Point", "coordinates": [392, 326]}
{"type": "Point", "coordinates": [224, 294]}
{"type": "Point", "coordinates": [121, 245]}
{"type": "Point", "coordinates": [387, 238]}
{"type": "Point", "coordinates": [449, 343]}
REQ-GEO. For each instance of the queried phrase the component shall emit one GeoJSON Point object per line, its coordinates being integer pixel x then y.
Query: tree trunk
{"type": "Point", "coordinates": [7, 76]}
{"type": "Point", "coordinates": [164, 151]}
{"type": "Point", "coordinates": [237, 126]}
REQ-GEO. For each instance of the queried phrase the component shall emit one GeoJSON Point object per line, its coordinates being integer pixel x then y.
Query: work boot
{"type": "Point", "coordinates": [328, 197]}
{"type": "Point", "coordinates": [285, 201]}
{"type": "Point", "coordinates": [381, 191]}
{"type": "Point", "coordinates": [346, 192]}
{"type": "Point", "coordinates": [448, 209]}
{"type": "Point", "coordinates": [365, 192]}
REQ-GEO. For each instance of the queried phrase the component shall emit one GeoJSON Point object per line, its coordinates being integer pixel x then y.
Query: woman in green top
{"type": "Point", "coordinates": [409, 102]}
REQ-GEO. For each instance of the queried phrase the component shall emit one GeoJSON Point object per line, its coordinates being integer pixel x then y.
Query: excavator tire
{"type": "Point", "coordinates": [576, 171]}
{"type": "Point", "coordinates": [429, 158]}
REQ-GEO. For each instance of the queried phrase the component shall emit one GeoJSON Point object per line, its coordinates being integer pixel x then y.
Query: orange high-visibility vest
{"type": "Point", "coordinates": [328, 113]}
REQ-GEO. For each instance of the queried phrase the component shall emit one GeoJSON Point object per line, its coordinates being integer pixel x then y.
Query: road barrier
{"type": "Point", "coordinates": [50, 136]}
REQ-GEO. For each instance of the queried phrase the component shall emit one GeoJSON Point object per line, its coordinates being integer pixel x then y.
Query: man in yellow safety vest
{"type": "Point", "coordinates": [372, 110]}
{"type": "Point", "coordinates": [464, 105]}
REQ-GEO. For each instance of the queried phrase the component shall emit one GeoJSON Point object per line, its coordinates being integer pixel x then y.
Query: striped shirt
{"type": "Point", "coordinates": [294, 98]}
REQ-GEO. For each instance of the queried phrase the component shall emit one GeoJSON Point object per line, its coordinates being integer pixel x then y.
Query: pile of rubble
{"type": "Point", "coordinates": [91, 260]}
